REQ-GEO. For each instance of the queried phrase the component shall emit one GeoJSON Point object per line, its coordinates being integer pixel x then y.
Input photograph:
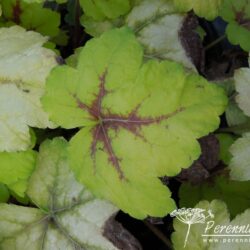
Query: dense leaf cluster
{"type": "Point", "coordinates": [102, 106]}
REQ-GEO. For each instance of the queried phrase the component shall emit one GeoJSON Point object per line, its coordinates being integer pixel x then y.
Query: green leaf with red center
{"type": "Point", "coordinates": [237, 14]}
{"type": "Point", "coordinates": [139, 121]}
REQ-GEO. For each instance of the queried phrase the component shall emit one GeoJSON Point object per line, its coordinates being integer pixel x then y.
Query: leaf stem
{"type": "Point", "coordinates": [218, 40]}
{"type": "Point", "coordinates": [159, 234]}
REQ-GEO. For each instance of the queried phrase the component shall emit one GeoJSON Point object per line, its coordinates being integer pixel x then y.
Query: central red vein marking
{"type": "Point", "coordinates": [16, 12]}
{"type": "Point", "coordinates": [132, 123]}
{"type": "Point", "coordinates": [240, 17]}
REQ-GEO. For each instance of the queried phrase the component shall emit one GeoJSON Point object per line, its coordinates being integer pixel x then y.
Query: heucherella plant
{"type": "Point", "coordinates": [138, 121]}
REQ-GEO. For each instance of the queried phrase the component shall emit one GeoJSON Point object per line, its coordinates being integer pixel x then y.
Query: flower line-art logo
{"type": "Point", "coordinates": [191, 216]}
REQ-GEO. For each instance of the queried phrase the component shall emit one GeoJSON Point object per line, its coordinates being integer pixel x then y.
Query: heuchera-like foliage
{"type": "Point", "coordinates": [32, 16]}
{"type": "Point", "coordinates": [24, 66]}
{"type": "Point", "coordinates": [237, 14]}
{"type": "Point", "coordinates": [15, 170]}
{"type": "Point", "coordinates": [67, 215]}
{"type": "Point", "coordinates": [138, 120]}
{"type": "Point", "coordinates": [99, 9]}
{"type": "Point", "coordinates": [151, 21]}
{"type": "Point", "coordinates": [239, 164]}
{"type": "Point", "coordinates": [208, 9]}
{"type": "Point", "coordinates": [240, 150]}
{"type": "Point", "coordinates": [234, 193]}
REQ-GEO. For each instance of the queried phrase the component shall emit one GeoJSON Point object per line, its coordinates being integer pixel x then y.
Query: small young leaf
{"type": "Point", "coordinates": [99, 9]}
{"type": "Point", "coordinates": [16, 168]}
{"type": "Point", "coordinates": [24, 66]}
{"type": "Point", "coordinates": [4, 193]}
{"type": "Point", "coordinates": [225, 141]}
{"type": "Point", "coordinates": [234, 193]}
{"type": "Point", "coordinates": [237, 14]}
{"type": "Point", "coordinates": [208, 9]}
{"type": "Point", "coordinates": [239, 164]}
{"type": "Point", "coordinates": [139, 121]}
{"type": "Point", "coordinates": [67, 217]}
{"type": "Point", "coordinates": [242, 85]}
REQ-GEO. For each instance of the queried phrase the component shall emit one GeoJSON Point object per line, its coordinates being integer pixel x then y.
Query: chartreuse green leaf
{"type": "Point", "coordinates": [234, 193]}
{"type": "Point", "coordinates": [67, 215]}
{"type": "Point", "coordinates": [41, 1]}
{"type": "Point", "coordinates": [239, 164]}
{"type": "Point", "coordinates": [208, 9]}
{"type": "Point", "coordinates": [99, 9]}
{"type": "Point", "coordinates": [225, 141]}
{"type": "Point", "coordinates": [24, 66]}
{"type": "Point", "coordinates": [237, 14]}
{"type": "Point", "coordinates": [15, 170]}
{"type": "Point", "coordinates": [32, 16]}
{"type": "Point", "coordinates": [138, 120]}
{"type": "Point", "coordinates": [210, 218]}
{"type": "Point", "coordinates": [4, 193]}
{"type": "Point", "coordinates": [157, 26]}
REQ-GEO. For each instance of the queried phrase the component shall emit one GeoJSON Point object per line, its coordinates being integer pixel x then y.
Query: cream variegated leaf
{"type": "Point", "coordinates": [67, 216]}
{"type": "Point", "coordinates": [24, 66]}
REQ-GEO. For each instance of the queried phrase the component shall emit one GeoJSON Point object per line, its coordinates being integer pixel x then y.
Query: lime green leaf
{"type": "Point", "coordinates": [234, 193]}
{"type": "Point", "coordinates": [67, 217]}
{"type": "Point", "coordinates": [225, 140]}
{"type": "Point", "coordinates": [210, 219]}
{"type": "Point", "coordinates": [96, 28]}
{"type": "Point", "coordinates": [237, 14]}
{"type": "Point", "coordinates": [24, 66]}
{"type": "Point", "coordinates": [4, 193]}
{"type": "Point", "coordinates": [99, 9]}
{"type": "Point", "coordinates": [24, 200]}
{"type": "Point", "coordinates": [15, 170]}
{"type": "Point", "coordinates": [134, 118]}
{"type": "Point", "coordinates": [208, 9]}
{"type": "Point", "coordinates": [201, 32]}
{"type": "Point", "coordinates": [239, 164]}
{"type": "Point", "coordinates": [42, 1]}
{"type": "Point", "coordinates": [32, 16]}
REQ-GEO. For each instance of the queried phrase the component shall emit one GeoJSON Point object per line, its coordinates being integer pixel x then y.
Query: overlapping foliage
{"type": "Point", "coordinates": [132, 105]}
{"type": "Point", "coordinates": [133, 120]}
